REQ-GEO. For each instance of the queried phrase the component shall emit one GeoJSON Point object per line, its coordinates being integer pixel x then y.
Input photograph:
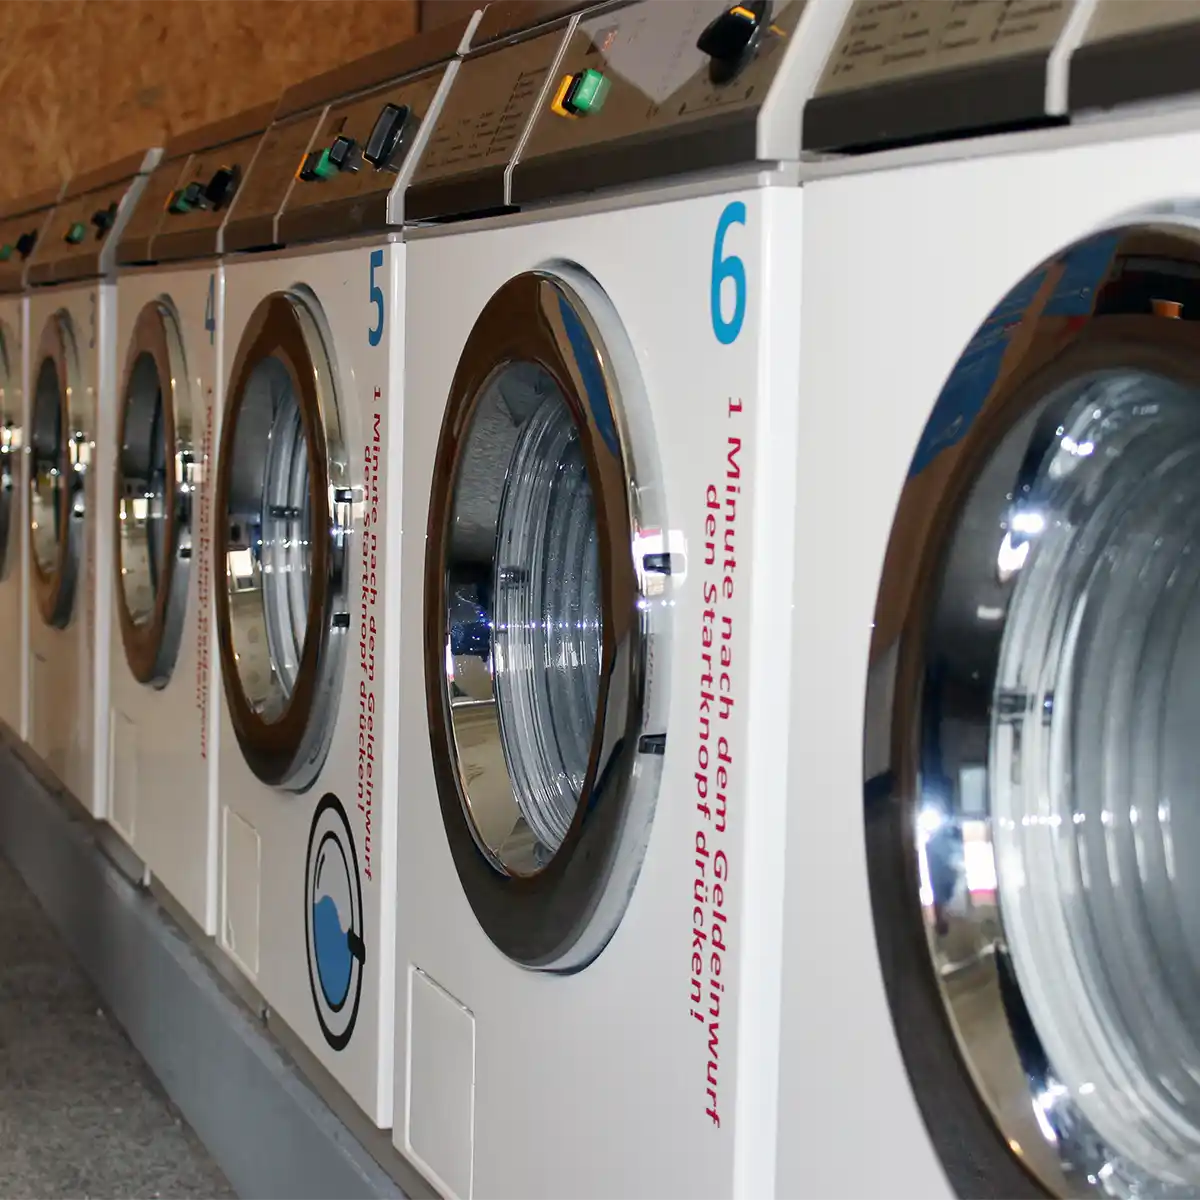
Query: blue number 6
{"type": "Point", "coordinates": [728, 266]}
{"type": "Point", "coordinates": [373, 335]}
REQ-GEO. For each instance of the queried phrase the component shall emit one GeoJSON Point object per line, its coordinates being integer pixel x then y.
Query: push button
{"type": "Point", "coordinates": [345, 153]}
{"type": "Point", "coordinates": [392, 128]}
{"type": "Point", "coordinates": [731, 39]}
{"type": "Point", "coordinates": [75, 234]}
{"type": "Point", "coordinates": [6, 252]}
{"type": "Point", "coordinates": [316, 165]}
{"type": "Point", "coordinates": [26, 243]}
{"type": "Point", "coordinates": [580, 95]}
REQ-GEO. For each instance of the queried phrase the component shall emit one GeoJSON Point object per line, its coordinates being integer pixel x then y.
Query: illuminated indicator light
{"type": "Point", "coordinates": [5, 253]}
{"type": "Point", "coordinates": [589, 93]}
{"type": "Point", "coordinates": [75, 233]}
{"type": "Point", "coordinates": [556, 105]}
{"type": "Point", "coordinates": [1171, 309]}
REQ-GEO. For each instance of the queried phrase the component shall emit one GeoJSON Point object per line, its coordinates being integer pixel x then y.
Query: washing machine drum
{"type": "Point", "coordinates": [282, 531]}
{"type": "Point", "coordinates": [1033, 814]}
{"type": "Point", "coordinates": [542, 610]}
{"type": "Point", "coordinates": [10, 443]}
{"type": "Point", "coordinates": [60, 444]}
{"type": "Point", "coordinates": [155, 482]}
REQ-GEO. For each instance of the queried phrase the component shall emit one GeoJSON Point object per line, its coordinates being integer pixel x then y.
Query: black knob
{"type": "Point", "coordinates": [103, 219]}
{"type": "Point", "coordinates": [220, 189]}
{"type": "Point", "coordinates": [26, 243]}
{"type": "Point", "coordinates": [393, 127]}
{"type": "Point", "coordinates": [345, 153]}
{"type": "Point", "coordinates": [731, 39]}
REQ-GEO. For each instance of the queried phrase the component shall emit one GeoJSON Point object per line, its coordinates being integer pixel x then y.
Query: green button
{"type": "Point", "coordinates": [179, 203]}
{"type": "Point", "coordinates": [76, 232]}
{"type": "Point", "coordinates": [590, 92]}
{"type": "Point", "coordinates": [323, 168]}
{"type": "Point", "coordinates": [5, 253]}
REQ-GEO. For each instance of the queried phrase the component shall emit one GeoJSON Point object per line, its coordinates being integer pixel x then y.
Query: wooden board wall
{"type": "Point", "coordinates": [83, 82]}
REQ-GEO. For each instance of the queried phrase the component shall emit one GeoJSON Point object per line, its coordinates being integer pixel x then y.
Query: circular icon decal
{"type": "Point", "coordinates": [333, 918]}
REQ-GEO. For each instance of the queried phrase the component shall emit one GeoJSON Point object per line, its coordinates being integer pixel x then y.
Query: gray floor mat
{"type": "Point", "coordinates": [81, 1115]}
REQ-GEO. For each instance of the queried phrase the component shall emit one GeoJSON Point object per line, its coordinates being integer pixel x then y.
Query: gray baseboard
{"type": "Point", "coordinates": [270, 1133]}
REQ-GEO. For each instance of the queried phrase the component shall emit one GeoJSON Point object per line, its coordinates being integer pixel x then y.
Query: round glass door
{"type": "Point", "coordinates": [1036, 824]}
{"type": "Point", "coordinates": [60, 451]}
{"type": "Point", "coordinates": [10, 442]}
{"type": "Point", "coordinates": [154, 487]}
{"type": "Point", "coordinates": [541, 613]}
{"type": "Point", "coordinates": [284, 504]}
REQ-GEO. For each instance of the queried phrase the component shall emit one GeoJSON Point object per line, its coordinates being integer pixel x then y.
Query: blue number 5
{"type": "Point", "coordinates": [728, 266]}
{"type": "Point", "coordinates": [373, 335]}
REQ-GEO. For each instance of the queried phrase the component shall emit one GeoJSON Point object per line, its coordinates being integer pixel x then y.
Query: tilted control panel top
{"type": "Point", "coordinates": [361, 149]}
{"type": "Point", "coordinates": [22, 224]}
{"type": "Point", "coordinates": [281, 153]}
{"type": "Point", "coordinates": [81, 239]}
{"type": "Point", "coordinates": [691, 73]}
{"type": "Point", "coordinates": [1136, 50]}
{"type": "Point", "coordinates": [342, 144]}
{"type": "Point", "coordinates": [911, 69]}
{"type": "Point", "coordinates": [464, 164]}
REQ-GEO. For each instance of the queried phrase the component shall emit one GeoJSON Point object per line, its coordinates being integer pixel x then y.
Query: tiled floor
{"type": "Point", "coordinates": [80, 1113]}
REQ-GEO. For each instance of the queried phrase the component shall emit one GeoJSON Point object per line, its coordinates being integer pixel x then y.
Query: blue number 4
{"type": "Point", "coordinates": [210, 310]}
{"type": "Point", "coordinates": [375, 333]}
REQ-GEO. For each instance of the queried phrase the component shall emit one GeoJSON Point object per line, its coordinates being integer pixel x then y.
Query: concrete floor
{"type": "Point", "coordinates": [80, 1113]}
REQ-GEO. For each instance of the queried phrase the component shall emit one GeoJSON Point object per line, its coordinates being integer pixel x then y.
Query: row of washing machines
{"type": "Point", "coordinates": [632, 567]}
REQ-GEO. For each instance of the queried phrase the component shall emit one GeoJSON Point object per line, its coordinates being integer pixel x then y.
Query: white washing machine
{"type": "Point", "coordinates": [990, 958]}
{"type": "Point", "coordinates": [21, 223]}
{"type": "Point", "coordinates": [170, 324]}
{"type": "Point", "coordinates": [71, 387]}
{"type": "Point", "coordinates": [594, 617]}
{"type": "Point", "coordinates": [305, 547]}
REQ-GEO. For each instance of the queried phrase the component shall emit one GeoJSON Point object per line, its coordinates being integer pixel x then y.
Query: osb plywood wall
{"type": "Point", "coordinates": [83, 82]}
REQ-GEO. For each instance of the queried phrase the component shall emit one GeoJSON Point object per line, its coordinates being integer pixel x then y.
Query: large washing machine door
{"type": "Point", "coordinates": [60, 454]}
{"type": "Point", "coordinates": [11, 440]}
{"type": "Point", "coordinates": [283, 524]}
{"type": "Point", "coordinates": [545, 616]}
{"type": "Point", "coordinates": [154, 493]}
{"type": "Point", "coordinates": [1033, 736]}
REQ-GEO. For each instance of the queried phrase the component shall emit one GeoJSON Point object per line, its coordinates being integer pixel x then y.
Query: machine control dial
{"type": "Point", "coordinates": [103, 219]}
{"type": "Point", "coordinates": [220, 189]}
{"type": "Point", "coordinates": [731, 39]}
{"type": "Point", "coordinates": [581, 94]}
{"type": "Point", "coordinates": [26, 243]}
{"type": "Point", "coordinates": [392, 130]}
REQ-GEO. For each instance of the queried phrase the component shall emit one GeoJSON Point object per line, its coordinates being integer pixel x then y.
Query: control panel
{"type": "Point", "coordinates": [196, 207]}
{"type": "Point", "coordinates": [137, 238]}
{"type": "Point", "coordinates": [282, 153]}
{"type": "Point", "coordinates": [80, 240]}
{"type": "Point", "coordinates": [480, 126]}
{"type": "Point", "coordinates": [1135, 50]}
{"type": "Point", "coordinates": [693, 72]}
{"type": "Point", "coordinates": [22, 224]}
{"type": "Point", "coordinates": [910, 69]}
{"type": "Point", "coordinates": [361, 150]}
